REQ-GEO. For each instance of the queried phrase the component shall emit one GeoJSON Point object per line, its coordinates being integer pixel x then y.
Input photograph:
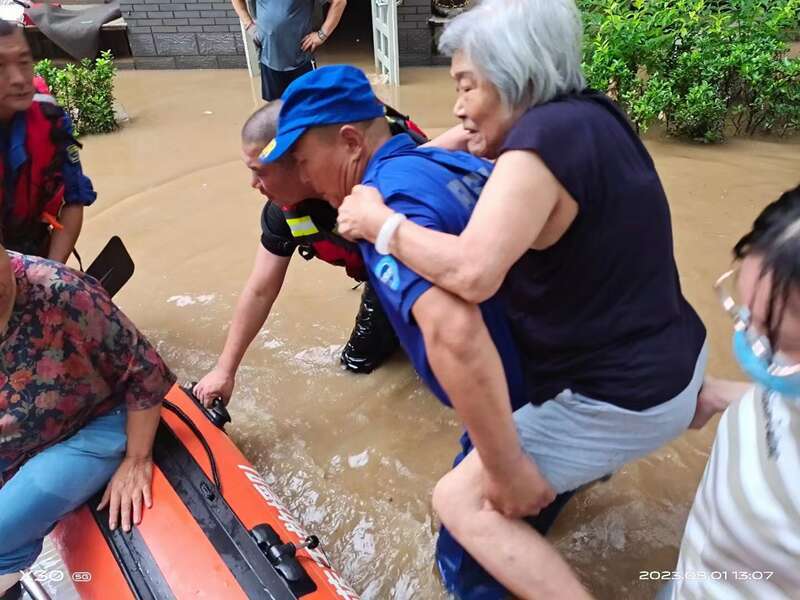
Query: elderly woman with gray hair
{"type": "Point", "coordinates": [573, 231]}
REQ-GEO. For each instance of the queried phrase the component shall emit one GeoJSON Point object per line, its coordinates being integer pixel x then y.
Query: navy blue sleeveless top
{"type": "Point", "coordinates": [601, 311]}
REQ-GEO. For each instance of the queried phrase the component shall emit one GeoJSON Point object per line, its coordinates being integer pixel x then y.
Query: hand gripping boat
{"type": "Point", "coordinates": [215, 530]}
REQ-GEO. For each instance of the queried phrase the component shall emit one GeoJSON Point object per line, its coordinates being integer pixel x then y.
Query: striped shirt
{"type": "Point", "coordinates": [742, 539]}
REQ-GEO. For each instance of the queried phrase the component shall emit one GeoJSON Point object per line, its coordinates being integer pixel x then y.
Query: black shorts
{"type": "Point", "coordinates": [273, 83]}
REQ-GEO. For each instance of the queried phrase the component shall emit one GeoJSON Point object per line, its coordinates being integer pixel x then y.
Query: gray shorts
{"type": "Point", "coordinates": [575, 440]}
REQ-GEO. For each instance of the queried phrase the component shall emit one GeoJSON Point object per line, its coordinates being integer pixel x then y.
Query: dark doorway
{"type": "Point", "coordinates": [352, 41]}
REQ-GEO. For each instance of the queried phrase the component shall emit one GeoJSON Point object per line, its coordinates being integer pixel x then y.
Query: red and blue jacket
{"type": "Point", "coordinates": [40, 172]}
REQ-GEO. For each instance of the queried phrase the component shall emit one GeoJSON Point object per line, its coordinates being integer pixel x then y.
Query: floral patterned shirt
{"type": "Point", "coordinates": [68, 355]}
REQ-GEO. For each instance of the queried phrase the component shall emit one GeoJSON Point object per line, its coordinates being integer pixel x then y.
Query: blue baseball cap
{"type": "Point", "coordinates": [326, 96]}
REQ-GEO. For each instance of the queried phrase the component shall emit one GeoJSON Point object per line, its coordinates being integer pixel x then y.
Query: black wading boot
{"type": "Point", "coordinates": [373, 340]}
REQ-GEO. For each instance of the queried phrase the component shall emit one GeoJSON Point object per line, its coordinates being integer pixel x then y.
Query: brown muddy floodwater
{"type": "Point", "coordinates": [356, 457]}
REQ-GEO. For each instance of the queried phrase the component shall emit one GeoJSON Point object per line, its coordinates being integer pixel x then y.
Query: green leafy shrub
{"type": "Point", "coordinates": [85, 90]}
{"type": "Point", "coordinates": [703, 68]}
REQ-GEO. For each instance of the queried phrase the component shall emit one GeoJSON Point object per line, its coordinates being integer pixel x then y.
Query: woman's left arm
{"type": "Point", "coordinates": [513, 208]}
{"type": "Point", "coordinates": [139, 378]}
{"type": "Point", "coordinates": [131, 484]}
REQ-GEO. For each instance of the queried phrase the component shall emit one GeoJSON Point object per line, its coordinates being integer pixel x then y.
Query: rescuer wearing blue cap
{"type": "Point", "coordinates": [332, 123]}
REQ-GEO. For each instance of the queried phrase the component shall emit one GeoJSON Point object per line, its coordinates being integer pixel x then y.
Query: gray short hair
{"type": "Point", "coordinates": [530, 50]}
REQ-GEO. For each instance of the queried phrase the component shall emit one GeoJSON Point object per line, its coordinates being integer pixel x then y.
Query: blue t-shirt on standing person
{"type": "Point", "coordinates": [436, 189]}
{"type": "Point", "coordinates": [282, 25]}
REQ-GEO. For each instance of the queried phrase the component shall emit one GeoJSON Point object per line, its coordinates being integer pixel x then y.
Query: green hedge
{"type": "Point", "coordinates": [704, 69]}
{"type": "Point", "coordinates": [85, 90]}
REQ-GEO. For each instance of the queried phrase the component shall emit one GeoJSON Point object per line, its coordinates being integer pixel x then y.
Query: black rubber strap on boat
{"type": "Point", "coordinates": [137, 564]}
{"type": "Point", "coordinates": [176, 410]}
{"type": "Point", "coordinates": [236, 548]}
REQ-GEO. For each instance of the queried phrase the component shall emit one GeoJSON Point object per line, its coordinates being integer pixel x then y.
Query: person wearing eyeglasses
{"type": "Point", "coordinates": [742, 538]}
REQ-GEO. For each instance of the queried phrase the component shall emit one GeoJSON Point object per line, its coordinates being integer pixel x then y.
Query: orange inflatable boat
{"type": "Point", "coordinates": [215, 530]}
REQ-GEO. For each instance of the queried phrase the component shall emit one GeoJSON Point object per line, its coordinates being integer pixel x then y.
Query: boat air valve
{"type": "Point", "coordinates": [291, 549]}
{"type": "Point", "coordinates": [282, 556]}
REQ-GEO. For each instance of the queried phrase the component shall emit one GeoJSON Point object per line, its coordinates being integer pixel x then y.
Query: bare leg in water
{"type": "Point", "coordinates": [509, 549]}
{"type": "Point", "coordinates": [715, 396]}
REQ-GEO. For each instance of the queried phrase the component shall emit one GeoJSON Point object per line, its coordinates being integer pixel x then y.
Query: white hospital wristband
{"type": "Point", "coordinates": [386, 233]}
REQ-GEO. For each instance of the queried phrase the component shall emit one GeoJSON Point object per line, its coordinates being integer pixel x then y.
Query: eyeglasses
{"type": "Point", "coordinates": [778, 364]}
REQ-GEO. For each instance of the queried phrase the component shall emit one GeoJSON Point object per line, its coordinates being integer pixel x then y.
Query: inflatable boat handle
{"type": "Point", "coordinates": [216, 413]}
